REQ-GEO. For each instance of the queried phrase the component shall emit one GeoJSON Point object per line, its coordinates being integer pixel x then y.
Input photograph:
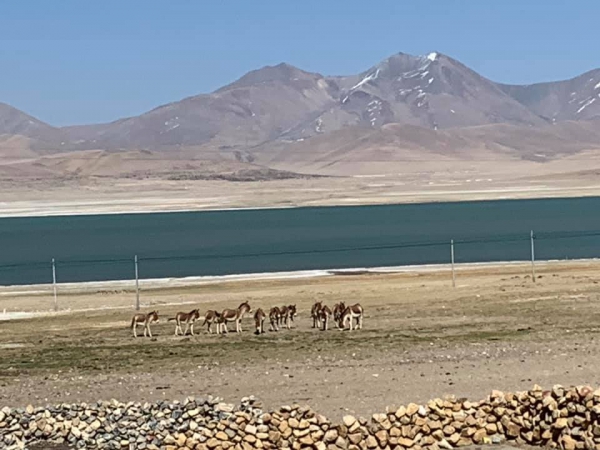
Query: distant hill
{"type": "Point", "coordinates": [281, 116]}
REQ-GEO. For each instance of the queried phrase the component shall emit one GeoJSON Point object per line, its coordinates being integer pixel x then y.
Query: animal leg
{"type": "Point", "coordinates": [187, 326]}
{"type": "Point", "coordinates": [134, 327]}
{"type": "Point", "coordinates": [192, 329]}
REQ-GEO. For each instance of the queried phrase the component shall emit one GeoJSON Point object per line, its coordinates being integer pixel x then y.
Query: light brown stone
{"type": "Point", "coordinates": [382, 437]}
{"type": "Point", "coordinates": [395, 432]}
{"type": "Point", "coordinates": [371, 442]}
{"type": "Point", "coordinates": [513, 430]}
{"type": "Point", "coordinates": [412, 409]}
{"type": "Point", "coordinates": [434, 425]}
{"type": "Point", "coordinates": [568, 442]}
{"type": "Point", "coordinates": [222, 436]}
{"type": "Point", "coordinates": [449, 430]}
{"type": "Point", "coordinates": [355, 438]}
{"type": "Point", "coordinates": [331, 435]}
{"type": "Point", "coordinates": [379, 418]}
{"type": "Point", "coordinates": [306, 440]}
{"type": "Point", "coordinates": [405, 442]}
{"type": "Point", "coordinates": [349, 420]}
{"type": "Point", "coordinates": [479, 435]}
{"type": "Point", "coordinates": [283, 426]}
{"type": "Point", "coordinates": [212, 443]}
{"type": "Point", "coordinates": [274, 436]}
{"type": "Point", "coordinates": [491, 428]}
{"type": "Point", "coordinates": [401, 412]}
{"type": "Point", "coordinates": [454, 438]}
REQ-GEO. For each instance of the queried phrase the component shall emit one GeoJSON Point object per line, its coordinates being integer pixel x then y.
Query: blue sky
{"type": "Point", "coordinates": [72, 61]}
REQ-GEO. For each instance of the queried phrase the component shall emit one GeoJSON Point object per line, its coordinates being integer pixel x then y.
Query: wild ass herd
{"type": "Point", "coordinates": [345, 317]}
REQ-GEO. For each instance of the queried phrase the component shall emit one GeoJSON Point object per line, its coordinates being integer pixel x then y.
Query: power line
{"type": "Point", "coordinates": [508, 238]}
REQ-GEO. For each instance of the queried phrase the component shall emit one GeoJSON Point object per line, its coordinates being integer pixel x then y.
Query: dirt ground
{"type": "Point", "coordinates": [414, 182]}
{"type": "Point", "coordinates": [422, 338]}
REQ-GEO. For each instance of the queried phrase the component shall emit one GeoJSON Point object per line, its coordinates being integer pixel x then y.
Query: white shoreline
{"type": "Point", "coordinates": [162, 283]}
{"type": "Point", "coordinates": [103, 208]}
{"type": "Point", "coordinates": [165, 283]}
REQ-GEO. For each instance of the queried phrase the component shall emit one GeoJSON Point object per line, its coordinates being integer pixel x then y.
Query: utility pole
{"type": "Point", "coordinates": [137, 285]}
{"type": "Point", "coordinates": [452, 258]}
{"type": "Point", "coordinates": [54, 285]}
{"type": "Point", "coordinates": [532, 256]}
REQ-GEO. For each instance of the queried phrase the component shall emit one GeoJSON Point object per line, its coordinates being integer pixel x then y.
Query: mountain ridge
{"type": "Point", "coordinates": [278, 105]}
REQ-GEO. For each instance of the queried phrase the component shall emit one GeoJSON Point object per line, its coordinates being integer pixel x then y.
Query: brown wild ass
{"type": "Point", "coordinates": [287, 315]}
{"type": "Point", "coordinates": [211, 317]}
{"type": "Point", "coordinates": [144, 320]}
{"type": "Point", "coordinates": [233, 315]}
{"type": "Point", "coordinates": [351, 313]}
{"type": "Point", "coordinates": [338, 309]}
{"type": "Point", "coordinates": [274, 318]}
{"type": "Point", "coordinates": [324, 315]}
{"type": "Point", "coordinates": [187, 318]}
{"type": "Point", "coordinates": [259, 321]}
{"type": "Point", "coordinates": [314, 313]}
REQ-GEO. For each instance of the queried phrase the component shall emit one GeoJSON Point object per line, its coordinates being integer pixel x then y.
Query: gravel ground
{"type": "Point", "coordinates": [422, 339]}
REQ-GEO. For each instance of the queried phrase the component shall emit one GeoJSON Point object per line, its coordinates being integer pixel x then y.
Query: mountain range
{"type": "Point", "coordinates": [283, 117]}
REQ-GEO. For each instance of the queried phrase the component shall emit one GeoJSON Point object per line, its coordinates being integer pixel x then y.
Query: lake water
{"type": "Point", "coordinates": [102, 247]}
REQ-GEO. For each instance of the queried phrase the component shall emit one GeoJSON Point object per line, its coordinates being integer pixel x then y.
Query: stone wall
{"type": "Point", "coordinates": [565, 418]}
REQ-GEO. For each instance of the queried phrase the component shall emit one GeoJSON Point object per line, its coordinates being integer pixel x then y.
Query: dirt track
{"type": "Point", "coordinates": [422, 339]}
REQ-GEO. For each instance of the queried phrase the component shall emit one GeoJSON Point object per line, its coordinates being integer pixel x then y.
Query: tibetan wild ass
{"type": "Point", "coordinates": [338, 309]}
{"type": "Point", "coordinates": [259, 321]}
{"type": "Point", "coordinates": [287, 315]}
{"type": "Point", "coordinates": [187, 318]}
{"type": "Point", "coordinates": [211, 317]}
{"type": "Point", "coordinates": [314, 313]}
{"type": "Point", "coordinates": [351, 313]}
{"type": "Point", "coordinates": [274, 318]}
{"type": "Point", "coordinates": [144, 320]}
{"type": "Point", "coordinates": [234, 315]}
{"type": "Point", "coordinates": [324, 315]}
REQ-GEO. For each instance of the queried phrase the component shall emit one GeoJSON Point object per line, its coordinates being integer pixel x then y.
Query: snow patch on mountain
{"type": "Point", "coordinates": [586, 103]}
{"type": "Point", "coordinates": [366, 79]}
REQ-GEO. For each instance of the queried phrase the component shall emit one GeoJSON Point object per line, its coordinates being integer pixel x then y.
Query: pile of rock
{"type": "Point", "coordinates": [566, 418]}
